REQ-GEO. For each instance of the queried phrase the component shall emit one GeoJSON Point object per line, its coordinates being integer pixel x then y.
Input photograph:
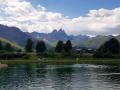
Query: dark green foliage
{"type": "Point", "coordinates": [19, 50]}
{"type": "Point", "coordinates": [65, 49]}
{"type": "Point", "coordinates": [59, 46]}
{"type": "Point", "coordinates": [101, 54]}
{"type": "Point", "coordinates": [112, 46]}
{"type": "Point", "coordinates": [11, 55]}
{"type": "Point", "coordinates": [109, 48]}
{"type": "Point", "coordinates": [8, 47]}
{"type": "Point", "coordinates": [29, 45]}
{"type": "Point", "coordinates": [68, 46]}
{"type": "Point", "coordinates": [26, 56]}
{"type": "Point", "coordinates": [1, 46]}
{"type": "Point", "coordinates": [40, 47]}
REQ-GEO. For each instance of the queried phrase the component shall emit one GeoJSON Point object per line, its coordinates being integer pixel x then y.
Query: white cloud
{"type": "Point", "coordinates": [24, 15]}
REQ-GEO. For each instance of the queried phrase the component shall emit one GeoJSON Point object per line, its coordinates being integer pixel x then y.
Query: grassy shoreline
{"type": "Point", "coordinates": [66, 61]}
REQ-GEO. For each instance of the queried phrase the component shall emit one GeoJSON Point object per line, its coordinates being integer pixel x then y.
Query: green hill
{"type": "Point", "coordinates": [13, 44]}
{"type": "Point", "coordinates": [97, 41]}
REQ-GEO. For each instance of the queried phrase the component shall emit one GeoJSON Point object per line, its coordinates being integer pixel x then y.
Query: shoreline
{"type": "Point", "coordinates": [66, 61]}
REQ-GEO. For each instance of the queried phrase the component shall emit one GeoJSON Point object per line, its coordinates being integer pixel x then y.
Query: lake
{"type": "Point", "coordinates": [60, 77]}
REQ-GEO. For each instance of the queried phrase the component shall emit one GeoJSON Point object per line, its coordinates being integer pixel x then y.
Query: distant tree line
{"type": "Point", "coordinates": [41, 46]}
{"type": "Point", "coordinates": [108, 49]}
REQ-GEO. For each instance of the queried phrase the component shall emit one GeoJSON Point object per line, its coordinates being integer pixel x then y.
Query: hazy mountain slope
{"type": "Point", "coordinates": [54, 36]}
{"type": "Point", "coordinates": [97, 41]}
{"type": "Point", "coordinates": [14, 34]}
{"type": "Point", "coordinates": [118, 37]}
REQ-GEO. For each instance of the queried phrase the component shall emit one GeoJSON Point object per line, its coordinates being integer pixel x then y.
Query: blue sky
{"type": "Point", "coordinates": [75, 8]}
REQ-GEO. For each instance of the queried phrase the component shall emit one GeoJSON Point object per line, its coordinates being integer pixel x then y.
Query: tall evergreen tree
{"type": "Point", "coordinates": [1, 46]}
{"type": "Point", "coordinates": [59, 46]}
{"type": "Point", "coordinates": [68, 46]}
{"type": "Point", "coordinates": [40, 47]}
{"type": "Point", "coordinates": [29, 45]}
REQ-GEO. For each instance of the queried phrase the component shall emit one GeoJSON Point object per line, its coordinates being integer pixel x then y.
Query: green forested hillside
{"type": "Point", "coordinates": [12, 43]}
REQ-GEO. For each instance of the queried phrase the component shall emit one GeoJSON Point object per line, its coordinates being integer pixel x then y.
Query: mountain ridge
{"type": "Point", "coordinates": [56, 35]}
{"type": "Point", "coordinates": [14, 34]}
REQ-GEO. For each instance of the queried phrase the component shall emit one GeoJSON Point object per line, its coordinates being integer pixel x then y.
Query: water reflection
{"type": "Point", "coordinates": [60, 77]}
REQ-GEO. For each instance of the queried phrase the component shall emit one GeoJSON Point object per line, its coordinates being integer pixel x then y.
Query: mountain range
{"type": "Point", "coordinates": [54, 36]}
{"type": "Point", "coordinates": [14, 34]}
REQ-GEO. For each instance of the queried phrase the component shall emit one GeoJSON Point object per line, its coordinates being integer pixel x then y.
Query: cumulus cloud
{"type": "Point", "coordinates": [24, 15]}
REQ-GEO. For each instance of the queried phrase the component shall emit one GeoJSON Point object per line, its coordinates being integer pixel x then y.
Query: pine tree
{"type": "Point", "coordinates": [29, 45]}
{"type": "Point", "coordinates": [68, 46]}
{"type": "Point", "coordinates": [59, 46]}
{"type": "Point", "coordinates": [40, 47]}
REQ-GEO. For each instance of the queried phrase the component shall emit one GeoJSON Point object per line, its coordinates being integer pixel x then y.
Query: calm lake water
{"type": "Point", "coordinates": [60, 77]}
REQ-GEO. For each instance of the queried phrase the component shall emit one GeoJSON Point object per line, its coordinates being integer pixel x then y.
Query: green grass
{"type": "Point", "coordinates": [66, 61]}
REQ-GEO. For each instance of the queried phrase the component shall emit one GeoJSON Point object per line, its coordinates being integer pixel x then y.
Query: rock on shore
{"type": "Point", "coordinates": [3, 65]}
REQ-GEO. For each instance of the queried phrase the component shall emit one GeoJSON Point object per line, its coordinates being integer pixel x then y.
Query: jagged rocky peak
{"type": "Point", "coordinates": [58, 32]}
{"type": "Point", "coordinates": [54, 31]}
{"type": "Point", "coordinates": [61, 31]}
